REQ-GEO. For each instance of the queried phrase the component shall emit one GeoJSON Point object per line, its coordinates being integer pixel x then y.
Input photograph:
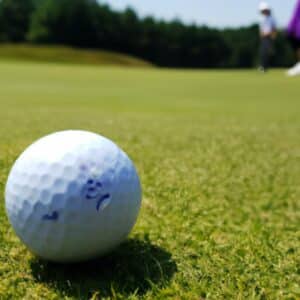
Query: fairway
{"type": "Point", "coordinates": [218, 153]}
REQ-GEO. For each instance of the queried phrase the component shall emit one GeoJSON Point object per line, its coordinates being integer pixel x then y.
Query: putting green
{"type": "Point", "coordinates": [219, 158]}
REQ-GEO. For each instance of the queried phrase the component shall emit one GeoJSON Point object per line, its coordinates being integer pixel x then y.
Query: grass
{"type": "Point", "coordinates": [219, 158]}
{"type": "Point", "coordinates": [60, 54]}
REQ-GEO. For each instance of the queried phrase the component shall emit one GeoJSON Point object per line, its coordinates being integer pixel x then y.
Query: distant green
{"type": "Point", "coordinates": [219, 158]}
{"type": "Point", "coordinates": [61, 54]}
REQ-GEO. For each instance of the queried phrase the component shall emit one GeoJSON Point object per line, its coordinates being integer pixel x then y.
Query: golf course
{"type": "Point", "coordinates": [218, 154]}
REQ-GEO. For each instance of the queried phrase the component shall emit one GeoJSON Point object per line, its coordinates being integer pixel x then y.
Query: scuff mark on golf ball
{"type": "Point", "coordinates": [103, 202]}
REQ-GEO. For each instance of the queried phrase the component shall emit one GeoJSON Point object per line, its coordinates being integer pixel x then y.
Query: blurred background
{"type": "Point", "coordinates": [181, 34]}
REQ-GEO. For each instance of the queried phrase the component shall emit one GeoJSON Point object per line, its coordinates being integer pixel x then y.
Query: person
{"type": "Point", "coordinates": [267, 35]}
{"type": "Point", "coordinates": [293, 33]}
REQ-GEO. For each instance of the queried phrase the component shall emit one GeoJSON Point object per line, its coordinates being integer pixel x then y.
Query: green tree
{"type": "Point", "coordinates": [70, 22]}
{"type": "Point", "coordinates": [90, 24]}
{"type": "Point", "coordinates": [15, 19]}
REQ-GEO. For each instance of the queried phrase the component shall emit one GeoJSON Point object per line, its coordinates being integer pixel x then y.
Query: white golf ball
{"type": "Point", "coordinates": [72, 196]}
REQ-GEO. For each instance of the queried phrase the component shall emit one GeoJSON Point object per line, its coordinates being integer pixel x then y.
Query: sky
{"type": "Point", "coordinates": [217, 13]}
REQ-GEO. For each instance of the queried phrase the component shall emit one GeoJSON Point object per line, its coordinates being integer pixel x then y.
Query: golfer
{"type": "Point", "coordinates": [267, 34]}
{"type": "Point", "coordinates": [293, 32]}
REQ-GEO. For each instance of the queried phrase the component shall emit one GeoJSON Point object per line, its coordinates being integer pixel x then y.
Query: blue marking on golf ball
{"type": "Point", "coordinates": [94, 191]}
{"type": "Point", "coordinates": [51, 217]}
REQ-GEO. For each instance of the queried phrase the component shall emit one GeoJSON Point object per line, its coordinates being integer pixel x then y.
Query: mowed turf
{"type": "Point", "coordinates": [219, 158]}
{"type": "Point", "coordinates": [67, 55]}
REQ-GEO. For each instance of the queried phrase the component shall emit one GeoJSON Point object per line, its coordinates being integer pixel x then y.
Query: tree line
{"type": "Point", "coordinates": [91, 24]}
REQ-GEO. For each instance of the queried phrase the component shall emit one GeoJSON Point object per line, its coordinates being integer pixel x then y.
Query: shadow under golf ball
{"type": "Point", "coordinates": [134, 267]}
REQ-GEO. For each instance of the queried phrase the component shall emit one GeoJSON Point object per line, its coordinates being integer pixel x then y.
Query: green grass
{"type": "Point", "coordinates": [60, 54]}
{"type": "Point", "coordinates": [219, 158]}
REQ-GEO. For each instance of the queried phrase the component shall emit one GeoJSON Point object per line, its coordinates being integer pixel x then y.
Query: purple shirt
{"type": "Point", "coordinates": [294, 25]}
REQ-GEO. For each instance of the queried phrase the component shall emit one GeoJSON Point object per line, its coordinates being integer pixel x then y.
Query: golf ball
{"type": "Point", "coordinates": [72, 196]}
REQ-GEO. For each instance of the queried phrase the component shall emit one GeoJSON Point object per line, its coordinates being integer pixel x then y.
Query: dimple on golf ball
{"type": "Point", "coordinates": [72, 196]}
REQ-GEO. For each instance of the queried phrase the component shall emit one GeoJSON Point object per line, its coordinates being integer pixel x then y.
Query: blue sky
{"type": "Point", "coordinates": [218, 13]}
